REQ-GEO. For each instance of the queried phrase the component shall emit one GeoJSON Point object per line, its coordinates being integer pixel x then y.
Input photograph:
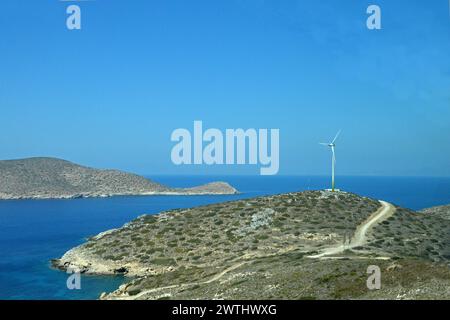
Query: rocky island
{"type": "Point", "coordinates": [304, 245]}
{"type": "Point", "coordinates": [51, 178]}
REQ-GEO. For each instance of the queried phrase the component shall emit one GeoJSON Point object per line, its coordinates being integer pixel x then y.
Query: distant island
{"type": "Point", "coordinates": [303, 245]}
{"type": "Point", "coordinates": [51, 178]}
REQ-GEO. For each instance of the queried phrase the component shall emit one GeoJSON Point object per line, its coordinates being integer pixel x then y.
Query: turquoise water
{"type": "Point", "coordinates": [34, 231]}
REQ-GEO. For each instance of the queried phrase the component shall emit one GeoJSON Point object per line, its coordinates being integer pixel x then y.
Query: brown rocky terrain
{"type": "Point", "coordinates": [49, 178]}
{"type": "Point", "coordinates": [306, 245]}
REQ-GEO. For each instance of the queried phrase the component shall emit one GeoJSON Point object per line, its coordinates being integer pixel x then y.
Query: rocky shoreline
{"type": "Point", "coordinates": [214, 188]}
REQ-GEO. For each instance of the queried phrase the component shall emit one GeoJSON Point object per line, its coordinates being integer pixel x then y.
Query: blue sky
{"type": "Point", "coordinates": [110, 95]}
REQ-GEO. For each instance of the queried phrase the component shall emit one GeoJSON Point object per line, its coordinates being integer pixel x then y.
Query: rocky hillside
{"type": "Point", "coordinates": [440, 211]}
{"type": "Point", "coordinates": [307, 245]}
{"type": "Point", "coordinates": [42, 178]}
{"type": "Point", "coordinates": [413, 234]}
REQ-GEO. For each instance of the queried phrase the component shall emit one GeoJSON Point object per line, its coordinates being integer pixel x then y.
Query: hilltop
{"type": "Point", "coordinates": [305, 245]}
{"type": "Point", "coordinates": [47, 178]}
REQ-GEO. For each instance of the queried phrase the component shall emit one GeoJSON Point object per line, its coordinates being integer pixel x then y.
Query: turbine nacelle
{"type": "Point", "coordinates": [331, 145]}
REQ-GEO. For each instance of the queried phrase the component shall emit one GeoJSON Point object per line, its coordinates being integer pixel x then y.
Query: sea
{"type": "Point", "coordinates": [34, 231]}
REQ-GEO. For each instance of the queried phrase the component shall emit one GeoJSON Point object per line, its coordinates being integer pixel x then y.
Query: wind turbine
{"type": "Point", "coordinates": [332, 145]}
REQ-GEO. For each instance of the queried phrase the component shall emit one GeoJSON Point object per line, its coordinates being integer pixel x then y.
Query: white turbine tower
{"type": "Point", "coordinates": [332, 145]}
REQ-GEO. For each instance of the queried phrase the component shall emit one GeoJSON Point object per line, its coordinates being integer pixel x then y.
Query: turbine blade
{"type": "Point", "coordinates": [337, 135]}
{"type": "Point", "coordinates": [323, 143]}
